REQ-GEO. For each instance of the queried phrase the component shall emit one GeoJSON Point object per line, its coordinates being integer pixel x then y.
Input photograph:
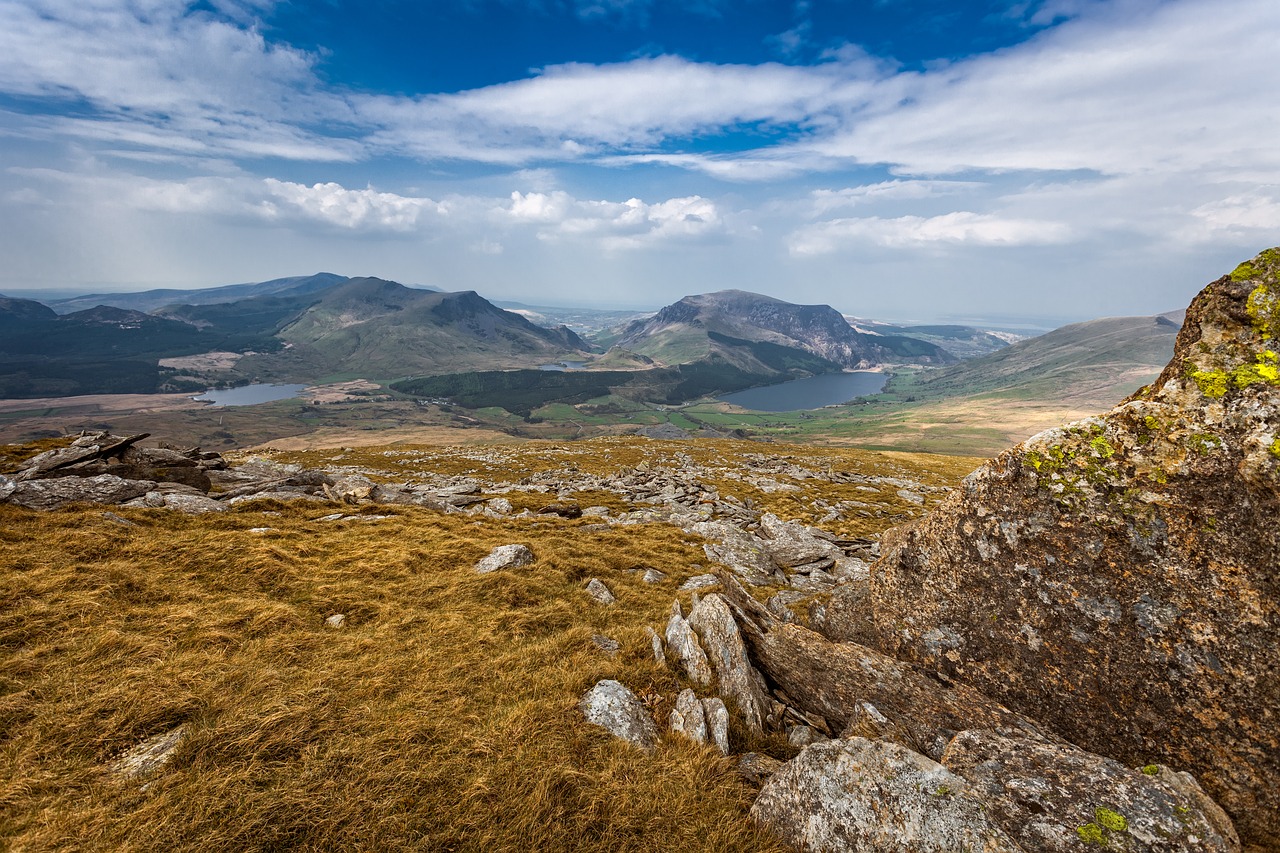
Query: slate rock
{"type": "Point", "coordinates": [102, 489]}
{"type": "Point", "coordinates": [874, 797]}
{"type": "Point", "coordinates": [505, 557]}
{"type": "Point", "coordinates": [688, 717]}
{"type": "Point", "coordinates": [684, 647]}
{"type": "Point", "coordinates": [613, 707]}
{"type": "Point", "coordinates": [150, 755]}
{"type": "Point", "coordinates": [717, 717]}
{"type": "Point", "coordinates": [790, 544]}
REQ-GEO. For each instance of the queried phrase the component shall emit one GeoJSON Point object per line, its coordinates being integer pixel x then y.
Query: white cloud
{"type": "Point", "coordinates": [631, 224]}
{"type": "Point", "coordinates": [825, 201]}
{"type": "Point", "coordinates": [956, 229]}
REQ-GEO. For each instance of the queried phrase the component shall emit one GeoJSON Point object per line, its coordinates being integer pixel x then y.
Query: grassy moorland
{"type": "Point", "coordinates": [441, 716]}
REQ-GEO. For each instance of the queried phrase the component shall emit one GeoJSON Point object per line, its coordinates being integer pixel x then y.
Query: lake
{"type": "Point", "coordinates": [813, 392]}
{"type": "Point", "coordinates": [249, 395]}
{"type": "Point", "coordinates": [562, 366]}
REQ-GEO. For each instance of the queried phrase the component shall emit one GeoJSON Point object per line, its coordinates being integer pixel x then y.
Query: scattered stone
{"type": "Point", "coordinates": [335, 516]}
{"type": "Point", "coordinates": [874, 797]}
{"type": "Point", "coordinates": [608, 645]}
{"type": "Point", "coordinates": [351, 489]}
{"type": "Point", "coordinates": [699, 582]}
{"type": "Point", "coordinates": [688, 717]}
{"type": "Point", "coordinates": [738, 680]}
{"type": "Point", "coordinates": [597, 590]}
{"type": "Point", "coordinates": [596, 511]}
{"type": "Point", "coordinates": [653, 576]}
{"type": "Point", "coordinates": [192, 504]}
{"type": "Point", "coordinates": [756, 767]}
{"type": "Point", "coordinates": [655, 643]}
{"type": "Point", "coordinates": [562, 510]}
{"type": "Point", "coordinates": [505, 557]}
{"type": "Point", "coordinates": [337, 620]}
{"type": "Point", "coordinates": [502, 506]}
{"type": "Point", "coordinates": [118, 519]}
{"type": "Point", "coordinates": [150, 755]}
{"type": "Point", "coordinates": [262, 530]}
{"type": "Point", "coordinates": [683, 644]}
{"type": "Point", "coordinates": [911, 497]}
{"type": "Point", "coordinates": [616, 709]}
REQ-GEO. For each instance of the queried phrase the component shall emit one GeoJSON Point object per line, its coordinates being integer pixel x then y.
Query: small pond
{"type": "Point", "coordinates": [813, 392]}
{"type": "Point", "coordinates": [249, 395]}
{"type": "Point", "coordinates": [562, 366]}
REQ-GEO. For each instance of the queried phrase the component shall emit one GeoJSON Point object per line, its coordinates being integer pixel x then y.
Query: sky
{"type": "Point", "coordinates": [911, 160]}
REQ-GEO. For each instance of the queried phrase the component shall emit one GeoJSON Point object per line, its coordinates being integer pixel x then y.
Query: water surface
{"type": "Point", "coordinates": [249, 395]}
{"type": "Point", "coordinates": [813, 392]}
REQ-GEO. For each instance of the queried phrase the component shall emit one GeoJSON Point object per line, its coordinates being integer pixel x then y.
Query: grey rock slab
{"type": "Point", "coordinates": [653, 576]}
{"type": "Point", "coordinates": [505, 557]}
{"type": "Point", "coordinates": [608, 645]}
{"type": "Point", "coordinates": [337, 620]}
{"type": "Point", "coordinates": [102, 489]}
{"type": "Point", "coordinates": [1052, 796]}
{"type": "Point", "coordinates": [688, 717]}
{"type": "Point", "coordinates": [502, 506]}
{"type": "Point", "coordinates": [713, 622]}
{"type": "Point", "coordinates": [616, 709]}
{"type": "Point", "coordinates": [790, 544]}
{"type": "Point", "coordinates": [192, 504]}
{"type": "Point", "coordinates": [743, 553]}
{"type": "Point", "coordinates": [874, 797]}
{"type": "Point", "coordinates": [699, 582]}
{"type": "Point", "coordinates": [150, 755]}
{"type": "Point", "coordinates": [683, 645]}
{"type": "Point", "coordinates": [599, 592]}
{"type": "Point", "coordinates": [655, 643]}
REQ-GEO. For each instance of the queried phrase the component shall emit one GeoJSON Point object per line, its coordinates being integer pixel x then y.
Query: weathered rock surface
{"type": "Point", "coordinates": [717, 717]}
{"type": "Point", "coordinates": [53, 493]}
{"type": "Point", "coordinates": [836, 680]}
{"type": "Point", "coordinates": [713, 622]}
{"type": "Point", "coordinates": [688, 718]}
{"type": "Point", "coordinates": [505, 557]}
{"type": "Point", "coordinates": [599, 592]}
{"type": "Point", "coordinates": [869, 796]}
{"type": "Point", "coordinates": [616, 709]}
{"type": "Point", "coordinates": [1119, 578]}
{"type": "Point", "coordinates": [1053, 797]}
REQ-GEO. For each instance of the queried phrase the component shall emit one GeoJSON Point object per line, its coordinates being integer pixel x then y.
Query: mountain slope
{"type": "Point", "coordinates": [381, 328]}
{"type": "Point", "coordinates": [681, 332]}
{"type": "Point", "coordinates": [1092, 362]}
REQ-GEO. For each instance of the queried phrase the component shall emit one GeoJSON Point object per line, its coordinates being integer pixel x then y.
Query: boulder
{"type": "Point", "coordinates": [790, 544]}
{"type": "Point", "coordinates": [738, 550]}
{"type": "Point", "coordinates": [505, 557]}
{"type": "Point", "coordinates": [1137, 559]}
{"type": "Point", "coordinates": [738, 680]}
{"type": "Point", "coordinates": [717, 716]}
{"type": "Point", "coordinates": [619, 711]}
{"type": "Point", "coordinates": [1051, 797]}
{"type": "Point", "coordinates": [871, 796]}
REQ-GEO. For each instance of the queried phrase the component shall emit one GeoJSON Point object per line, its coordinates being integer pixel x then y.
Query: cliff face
{"type": "Point", "coordinates": [1119, 578]}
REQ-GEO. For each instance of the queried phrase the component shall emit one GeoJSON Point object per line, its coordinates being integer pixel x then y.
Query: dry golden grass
{"type": "Point", "coordinates": [442, 717]}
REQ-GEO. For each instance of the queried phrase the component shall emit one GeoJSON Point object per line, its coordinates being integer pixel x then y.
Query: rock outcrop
{"type": "Point", "coordinates": [1118, 579]}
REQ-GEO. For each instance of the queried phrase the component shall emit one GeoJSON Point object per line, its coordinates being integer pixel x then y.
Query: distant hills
{"type": "Point", "coordinates": [151, 300]}
{"type": "Point", "coordinates": [726, 323]}
{"type": "Point", "coordinates": [1089, 364]}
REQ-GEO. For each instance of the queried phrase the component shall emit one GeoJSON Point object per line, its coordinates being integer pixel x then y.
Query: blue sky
{"type": "Point", "coordinates": [899, 159]}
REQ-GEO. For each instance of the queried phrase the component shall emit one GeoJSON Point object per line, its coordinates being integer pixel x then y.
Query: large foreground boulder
{"type": "Point", "coordinates": [1118, 578]}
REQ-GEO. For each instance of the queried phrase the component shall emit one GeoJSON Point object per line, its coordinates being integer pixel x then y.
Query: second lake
{"type": "Point", "coordinates": [813, 392]}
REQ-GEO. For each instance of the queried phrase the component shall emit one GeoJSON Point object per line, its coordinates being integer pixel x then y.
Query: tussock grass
{"type": "Point", "coordinates": [442, 716]}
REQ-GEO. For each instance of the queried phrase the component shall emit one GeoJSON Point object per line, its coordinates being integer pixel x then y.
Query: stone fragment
{"type": "Point", "coordinates": [502, 506]}
{"type": "Point", "coordinates": [655, 643]}
{"type": "Point", "coordinates": [118, 519]}
{"type": "Point", "coordinates": [688, 717]}
{"type": "Point", "coordinates": [150, 755]}
{"type": "Point", "coordinates": [738, 680]}
{"type": "Point", "coordinates": [337, 620]}
{"type": "Point", "coordinates": [874, 797]}
{"type": "Point", "coordinates": [505, 557]}
{"type": "Point", "coordinates": [683, 644]}
{"type": "Point", "coordinates": [801, 736]}
{"type": "Point", "coordinates": [351, 489]}
{"type": "Point", "coordinates": [653, 576]}
{"type": "Point", "coordinates": [1050, 797]}
{"type": "Point", "coordinates": [717, 716]}
{"type": "Point", "coordinates": [619, 711]}
{"type": "Point", "coordinates": [192, 504]}
{"type": "Point", "coordinates": [598, 591]}
{"type": "Point", "coordinates": [608, 645]}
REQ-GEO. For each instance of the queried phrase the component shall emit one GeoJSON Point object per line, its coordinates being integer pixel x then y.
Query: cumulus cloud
{"type": "Point", "coordinates": [959, 228]}
{"type": "Point", "coordinates": [824, 201]}
{"type": "Point", "coordinates": [632, 224]}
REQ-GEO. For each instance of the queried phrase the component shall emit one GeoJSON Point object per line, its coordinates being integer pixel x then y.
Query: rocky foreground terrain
{"type": "Point", "coordinates": [1075, 649]}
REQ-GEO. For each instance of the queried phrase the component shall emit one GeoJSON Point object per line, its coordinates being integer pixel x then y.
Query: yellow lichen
{"type": "Point", "coordinates": [1212, 383]}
